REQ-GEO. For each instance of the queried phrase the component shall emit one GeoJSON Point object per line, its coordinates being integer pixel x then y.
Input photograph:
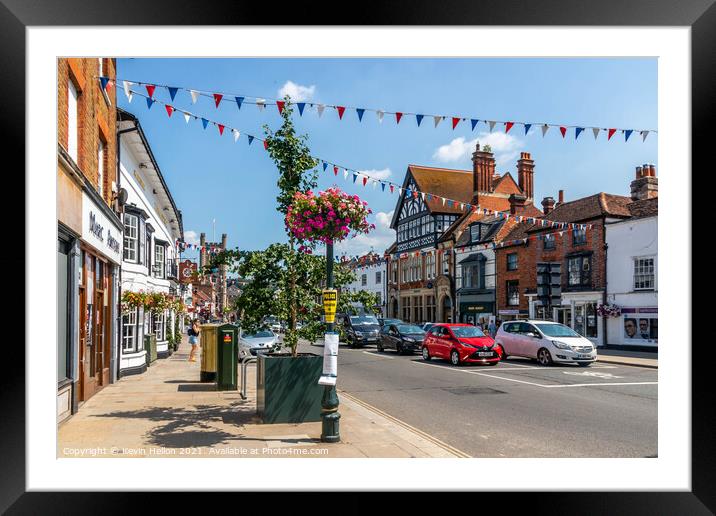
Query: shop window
{"type": "Point", "coordinates": [644, 274]}
{"type": "Point", "coordinates": [418, 309]}
{"type": "Point", "coordinates": [430, 309]}
{"type": "Point", "coordinates": [131, 232]}
{"type": "Point", "coordinates": [513, 293]}
{"type": "Point", "coordinates": [585, 320]}
{"type": "Point", "coordinates": [579, 269]}
{"type": "Point", "coordinates": [63, 307]}
{"type": "Point", "coordinates": [512, 262]}
{"type": "Point", "coordinates": [542, 312]}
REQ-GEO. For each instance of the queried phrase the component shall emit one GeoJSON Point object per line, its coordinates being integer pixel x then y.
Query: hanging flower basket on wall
{"type": "Point", "coordinates": [609, 310]}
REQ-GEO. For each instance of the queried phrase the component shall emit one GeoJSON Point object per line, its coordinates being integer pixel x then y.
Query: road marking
{"type": "Point", "coordinates": [534, 368]}
{"type": "Point", "coordinates": [536, 384]}
{"type": "Point", "coordinates": [606, 376]}
{"type": "Point", "coordinates": [377, 354]}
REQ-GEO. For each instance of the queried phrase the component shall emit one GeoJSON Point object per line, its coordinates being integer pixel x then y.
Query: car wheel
{"type": "Point", "coordinates": [544, 357]}
{"type": "Point", "coordinates": [399, 348]}
{"type": "Point", "coordinates": [584, 364]}
{"type": "Point", "coordinates": [454, 357]}
{"type": "Point", "coordinates": [379, 346]}
{"type": "Point", "coordinates": [426, 354]}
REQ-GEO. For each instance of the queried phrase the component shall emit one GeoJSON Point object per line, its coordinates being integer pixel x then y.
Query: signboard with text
{"type": "Point", "coordinates": [330, 301]}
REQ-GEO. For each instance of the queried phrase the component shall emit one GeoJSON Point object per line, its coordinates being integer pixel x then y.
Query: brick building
{"type": "Point", "coordinates": [422, 262]}
{"type": "Point", "coordinates": [216, 280]}
{"type": "Point", "coordinates": [89, 244]}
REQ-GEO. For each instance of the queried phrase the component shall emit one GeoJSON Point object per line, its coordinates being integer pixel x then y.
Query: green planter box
{"type": "Point", "coordinates": [287, 389]}
{"type": "Point", "coordinates": [150, 344]}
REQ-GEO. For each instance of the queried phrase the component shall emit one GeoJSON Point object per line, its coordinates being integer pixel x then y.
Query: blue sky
{"type": "Point", "coordinates": [211, 177]}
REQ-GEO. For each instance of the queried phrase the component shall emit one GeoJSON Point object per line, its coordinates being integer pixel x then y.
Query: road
{"type": "Point", "coordinates": [514, 409]}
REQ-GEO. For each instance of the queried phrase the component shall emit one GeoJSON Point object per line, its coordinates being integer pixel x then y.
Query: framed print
{"type": "Point", "coordinates": [476, 187]}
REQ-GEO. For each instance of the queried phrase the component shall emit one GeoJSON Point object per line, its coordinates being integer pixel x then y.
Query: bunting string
{"type": "Point", "coordinates": [329, 166]}
{"type": "Point", "coordinates": [262, 102]}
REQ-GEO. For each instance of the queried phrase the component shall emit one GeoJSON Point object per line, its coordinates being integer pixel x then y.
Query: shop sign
{"type": "Point", "coordinates": [330, 301]}
{"type": "Point", "coordinates": [509, 312]}
{"type": "Point", "coordinates": [99, 231]}
{"type": "Point", "coordinates": [187, 270]}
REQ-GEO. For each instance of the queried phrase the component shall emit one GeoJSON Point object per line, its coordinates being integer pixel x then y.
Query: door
{"type": "Point", "coordinates": [393, 337]}
{"type": "Point", "coordinates": [529, 344]}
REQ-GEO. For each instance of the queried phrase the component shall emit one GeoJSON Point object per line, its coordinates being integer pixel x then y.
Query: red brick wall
{"type": "Point", "coordinates": [96, 118]}
{"type": "Point", "coordinates": [526, 274]}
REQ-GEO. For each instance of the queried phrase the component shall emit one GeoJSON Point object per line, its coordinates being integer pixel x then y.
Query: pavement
{"type": "Point", "coordinates": [168, 412]}
{"type": "Point", "coordinates": [633, 358]}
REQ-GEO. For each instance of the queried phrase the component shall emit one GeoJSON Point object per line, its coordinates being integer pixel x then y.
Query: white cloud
{"type": "Point", "coordinates": [378, 240]}
{"type": "Point", "coordinates": [191, 237]}
{"type": "Point", "coordinates": [505, 147]}
{"type": "Point", "coordinates": [297, 92]}
{"type": "Point", "coordinates": [377, 174]}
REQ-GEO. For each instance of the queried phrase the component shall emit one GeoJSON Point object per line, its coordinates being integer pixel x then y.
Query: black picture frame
{"type": "Point", "coordinates": [16, 15]}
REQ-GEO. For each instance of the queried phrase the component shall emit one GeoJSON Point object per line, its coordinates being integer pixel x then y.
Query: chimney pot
{"type": "Point", "coordinates": [639, 172]}
{"type": "Point", "coordinates": [547, 205]}
{"type": "Point", "coordinates": [561, 196]}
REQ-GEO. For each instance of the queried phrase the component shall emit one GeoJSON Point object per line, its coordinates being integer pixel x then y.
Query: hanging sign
{"type": "Point", "coordinates": [330, 360]}
{"type": "Point", "coordinates": [330, 301]}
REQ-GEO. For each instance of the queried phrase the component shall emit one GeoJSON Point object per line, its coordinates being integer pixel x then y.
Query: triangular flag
{"type": "Point", "coordinates": [279, 105]}
{"type": "Point", "coordinates": [360, 112]}
{"type": "Point", "coordinates": [325, 166]}
{"type": "Point", "coordinates": [221, 129]}
{"type": "Point", "coordinates": [251, 139]}
{"type": "Point", "coordinates": [492, 125]}
{"type": "Point", "coordinates": [217, 98]}
{"type": "Point", "coordinates": [595, 131]}
{"type": "Point", "coordinates": [545, 128]}
{"type": "Point", "coordinates": [443, 201]}
{"type": "Point", "coordinates": [194, 96]}
{"type": "Point", "coordinates": [644, 134]}
{"type": "Point", "coordinates": [204, 122]}
{"type": "Point", "coordinates": [169, 109]}
{"type": "Point", "coordinates": [508, 126]}
{"type": "Point", "coordinates": [335, 170]}
{"type": "Point", "coordinates": [345, 174]}
{"type": "Point", "coordinates": [341, 110]}
{"type": "Point", "coordinates": [527, 128]}
{"type": "Point", "coordinates": [261, 104]}
{"type": "Point", "coordinates": [563, 130]}
{"type": "Point", "coordinates": [266, 144]}
{"type": "Point", "coordinates": [236, 134]}
{"type": "Point", "coordinates": [380, 115]}
{"type": "Point", "coordinates": [239, 100]}
{"type": "Point", "coordinates": [365, 180]}
{"type": "Point", "coordinates": [473, 122]}
{"type": "Point", "coordinates": [172, 92]}
{"type": "Point", "coordinates": [398, 116]}
{"type": "Point", "coordinates": [627, 134]}
{"type": "Point", "coordinates": [150, 101]}
{"type": "Point", "coordinates": [127, 84]}
{"type": "Point", "coordinates": [355, 176]}
{"type": "Point", "coordinates": [419, 118]}
{"type": "Point", "coordinates": [437, 119]}
{"type": "Point", "coordinates": [150, 89]}
{"type": "Point", "coordinates": [104, 81]}
{"type": "Point", "coordinates": [611, 133]}
{"type": "Point", "coordinates": [301, 105]}
{"type": "Point", "coordinates": [320, 108]}
{"type": "Point", "coordinates": [129, 97]}
{"type": "Point", "coordinates": [392, 187]}
{"type": "Point", "coordinates": [455, 121]}
{"type": "Point", "coordinates": [577, 131]}
{"type": "Point", "coordinates": [382, 185]}
{"type": "Point", "coordinates": [187, 117]}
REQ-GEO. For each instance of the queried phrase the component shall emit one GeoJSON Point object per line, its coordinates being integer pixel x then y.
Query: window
{"type": "Point", "coordinates": [579, 237]}
{"type": "Point", "coordinates": [363, 280]}
{"type": "Point", "coordinates": [394, 266]}
{"type": "Point", "coordinates": [644, 274]}
{"type": "Point", "coordinates": [579, 269]}
{"type": "Point", "coordinates": [131, 229]}
{"type": "Point", "coordinates": [512, 262]}
{"type": "Point", "coordinates": [406, 309]}
{"type": "Point", "coordinates": [430, 309]}
{"type": "Point", "coordinates": [159, 326]}
{"type": "Point", "coordinates": [159, 265]}
{"type": "Point", "coordinates": [471, 276]}
{"type": "Point", "coordinates": [129, 331]}
{"type": "Point", "coordinates": [72, 115]}
{"type": "Point", "coordinates": [446, 263]}
{"type": "Point", "coordinates": [513, 293]}
{"type": "Point", "coordinates": [430, 265]}
{"type": "Point", "coordinates": [418, 309]}
{"type": "Point", "coordinates": [100, 168]}
{"type": "Point", "coordinates": [549, 241]}
{"type": "Point", "coordinates": [404, 270]}
{"type": "Point", "coordinates": [377, 278]}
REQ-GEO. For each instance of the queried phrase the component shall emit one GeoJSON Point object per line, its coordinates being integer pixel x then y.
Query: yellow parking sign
{"type": "Point", "coordinates": [330, 301]}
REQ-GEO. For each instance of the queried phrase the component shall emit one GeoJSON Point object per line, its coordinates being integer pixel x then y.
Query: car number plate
{"type": "Point", "coordinates": [484, 354]}
{"type": "Point", "coordinates": [581, 355]}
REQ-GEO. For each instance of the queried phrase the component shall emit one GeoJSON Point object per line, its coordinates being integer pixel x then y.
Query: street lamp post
{"type": "Point", "coordinates": [330, 430]}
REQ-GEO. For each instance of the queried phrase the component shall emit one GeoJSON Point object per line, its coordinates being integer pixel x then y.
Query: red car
{"type": "Point", "coordinates": [460, 343]}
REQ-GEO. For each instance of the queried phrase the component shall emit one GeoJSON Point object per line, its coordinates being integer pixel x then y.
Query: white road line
{"type": "Point", "coordinates": [528, 368]}
{"type": "Point", "coordinates": [536, 384]}
{"type": "Point", "coordinates": [377, 354]}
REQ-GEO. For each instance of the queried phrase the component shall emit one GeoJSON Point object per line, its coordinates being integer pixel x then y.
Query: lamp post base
{"type": "Point", "coordinates": [330, 426]}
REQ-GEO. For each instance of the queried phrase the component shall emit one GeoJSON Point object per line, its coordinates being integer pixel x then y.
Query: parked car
{"type": "Point", "coordinates": [384, 322]}
{"type": "Point", "coordinates": [401, 337]}
{"type": "Point", "coordinates": [273, 323]}
{"type": "Point", "coordinates": [545, 341]}
{"type": "Point", "coordinates": [426, 326]}
{"type": "Point", "coordinates": [253, 343]}
{"type": "Point", "coordinates": [460, 343]}
{"type": "Point", "coordinates": [361, 329]}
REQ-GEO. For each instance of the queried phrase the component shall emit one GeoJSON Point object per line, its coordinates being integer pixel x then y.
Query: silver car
{"type": "Point", "coordinates": [251, 344]}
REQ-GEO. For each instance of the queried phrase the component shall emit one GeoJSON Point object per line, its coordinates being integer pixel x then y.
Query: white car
{"type": "Point", "coordinates": [546, 341]}
{"type": "Point", "coordinates": [251, 344]}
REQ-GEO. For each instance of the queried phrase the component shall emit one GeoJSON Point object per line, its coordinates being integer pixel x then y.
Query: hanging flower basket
{"type": "Point", "coordinates": [330, 216]}
{"type": "Point", "coordinates": [609, 310]}
{"type": "Point", "coordinates": [157, 302]}
{"type": "Point", "coordinates": [132, 300]}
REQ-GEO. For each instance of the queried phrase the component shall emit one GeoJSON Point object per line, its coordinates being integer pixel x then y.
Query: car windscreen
{"type": "Point", "coordinates": [410, 329]}
{"type": "Point", "coordinates": [258, 334]}
{"type": "Point", "coordinates": [467, 331]}
{"type": "Point", "coordinates": [358, 320]}
{"type": "Point", "coordinates": [557, 330]}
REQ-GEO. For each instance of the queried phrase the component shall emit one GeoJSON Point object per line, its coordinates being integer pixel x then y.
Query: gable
{"type": "Point", "coordinates": [507, 185]}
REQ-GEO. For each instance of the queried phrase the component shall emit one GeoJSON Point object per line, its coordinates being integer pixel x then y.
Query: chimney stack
{"type": "Point", "coordinates": [548, 205]}
{"type": "Point", "coordinates": [517, 203]}
{"type": "Point", "coordinates": [646, 184]}
{"type": "Point", "coordinates": [525, 174]}
{"type": "Point", "coordinates": [561, 196]}
{"type": "Point", "coordinates": [483, 170]}
{"type": "Point", "coordinates": [202, 241]}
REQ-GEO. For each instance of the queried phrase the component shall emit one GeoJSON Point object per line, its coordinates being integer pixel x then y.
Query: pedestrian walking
{"type": "Point", "coordinates": [193, 339]}
{"type": "Point", "coordinates": [492, 328]}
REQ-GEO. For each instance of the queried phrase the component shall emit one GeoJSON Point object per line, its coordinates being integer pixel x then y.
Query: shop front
{"type": "Point", "coordinates": [579, 311]}
{"type": "Point", "coordinates": [476, 309]}
{"type": "Point", "coordinates": [635, 326]}
{"type": "Point", "coordinates": [512, 314]}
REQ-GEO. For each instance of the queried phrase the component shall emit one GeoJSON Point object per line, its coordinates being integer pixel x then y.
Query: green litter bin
{"type": "Point", "coordinates": [150, 345]}
{"type": "Point", "coordinates": [227, 354]}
